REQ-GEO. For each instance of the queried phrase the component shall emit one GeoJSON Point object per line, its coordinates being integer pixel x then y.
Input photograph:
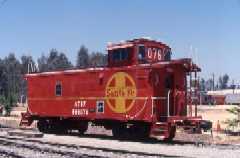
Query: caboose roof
{"type": "Point", "coordinates": [187, 63]}
{"type": "Point", "coordinates": [130, 43]}
{"type": "Point", "coordinates": [72, 71]}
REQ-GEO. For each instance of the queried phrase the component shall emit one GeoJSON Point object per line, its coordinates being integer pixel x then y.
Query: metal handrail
{"type": "Point", "coordinates": [156, 98]}
{"type": "Point", "coordinates": [168, 103]}
{"type": "Point", "coordinates": [163, 98]}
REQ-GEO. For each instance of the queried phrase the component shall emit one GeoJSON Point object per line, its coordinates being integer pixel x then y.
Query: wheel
{"type": "Point", "coordinates": [116, 132]}
{"type": "Point", "coordinates": [42, 126]}
{"type": "Point", "coordinates": [58, 128]}
{"type": "Point", "coordinates": [120, 131]}
{"type": "Point", "coordinates": [140, 131]}
{"type": "Point", "coordinates": [50, 126]}
{"type": "Point", "coordinates": [136, 131]}
{"type": "Point", "coordinates": [83, 128]}
{"type": "Point", "coordinates": [171, 135]}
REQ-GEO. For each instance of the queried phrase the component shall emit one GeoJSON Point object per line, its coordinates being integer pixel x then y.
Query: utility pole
{"type": "Point", "coordinates": [213, 80]}
{"type": "Point", "coordinates": [233, 86]}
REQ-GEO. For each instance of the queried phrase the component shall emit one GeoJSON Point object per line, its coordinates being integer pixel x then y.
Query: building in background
{"type": "Point", "coordinates": [221, 97]}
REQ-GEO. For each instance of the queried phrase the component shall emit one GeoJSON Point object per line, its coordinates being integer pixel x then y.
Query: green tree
{"type": "Point", "coordinates": [209, 84]}
{"type": "Point", "coordinates": [28, 64]}
{"type": "Point", "coordinates": [10, 81]}
{"type": "Point", "coordinates": [82, 57]}
{"type": "Point", "coordinates": [3, 101]}
{"type": "Point", "coordinates": [55, 61]}
{"type": "Point", "coordinates": [235, 122]}
{"type": "Point", "coordinates": [52, 60]}
{"type": "Point", "coordinates": [62, 62]}
{"type": "Point", "coordinates": [223, 81]}
{"type": "Point", "coordinates": [8, 102]}
{"type": "Point", "coordinates": [3, 78]}
{"type": "Point", "coordinates": [42, 63]}
{"type": "Point", "coordinates": [97, 59]}
{"type": "Point", "coordinates": [202, 85]}
{"type": "Point", "coordinates": [13, 69]}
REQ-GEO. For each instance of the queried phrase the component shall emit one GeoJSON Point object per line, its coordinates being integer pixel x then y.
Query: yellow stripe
{"type": "Point", "coordinates": [86, 98]}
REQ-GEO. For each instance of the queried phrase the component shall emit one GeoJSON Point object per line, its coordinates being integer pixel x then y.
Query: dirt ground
{"type": "Point", "coordinates": [216, 113]}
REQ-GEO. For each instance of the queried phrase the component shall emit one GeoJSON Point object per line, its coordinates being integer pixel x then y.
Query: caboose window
{"type": "Point", "coordinates": [58, 89]}
{"type": "Point", "coordinates": [100, 106]}
{"type": "Point", "coordinates": [168, 54]}
{"type": "Point", "coordinates": [141, 54]}
{"type": "Point", "coordinates": [121, 54]}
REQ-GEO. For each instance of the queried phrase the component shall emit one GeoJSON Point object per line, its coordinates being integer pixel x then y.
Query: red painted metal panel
{"type": "Point", "coordinates": [86, 87]}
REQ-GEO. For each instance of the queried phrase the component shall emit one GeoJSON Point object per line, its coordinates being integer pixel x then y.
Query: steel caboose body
{"type": "Point", "coordinates": [141, 91]}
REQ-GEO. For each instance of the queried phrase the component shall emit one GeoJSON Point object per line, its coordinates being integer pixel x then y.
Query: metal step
{"type": "Point", "coordinates": [24, 123]}
{"type": "Point", "coordinates": [161, 123]}
{"type": "Point", "coordinates": [161, 127]}
{"type": "Point", "coordinates": [26, 120]}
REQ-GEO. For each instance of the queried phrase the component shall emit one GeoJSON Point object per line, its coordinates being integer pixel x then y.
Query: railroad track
{"type": "Point", "coordinates": [21, 147]}
{"type": "Point", "coordinates": [4, 153]}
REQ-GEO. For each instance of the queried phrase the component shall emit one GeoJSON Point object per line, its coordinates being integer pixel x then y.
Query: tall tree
{"type": "Point", "coordinates": [28, 64]}
{"type": "Point", "coordinates": [55, 61]}
{"type": "Point", "coordinates": [13, 73]}
{"type": "Point", "coordinates": [63, 63]}
{"type": "Point", "coordinates": [202, 85]}
{"type": "Point", "coordinates": [97, 59]}
{"type": "Point", "coordinates": [223, 81]}
{"type": "Point", "coordinates": [42, 63]}
{"type": "Point", "coordinates": [3, 78]}
{"type": "Point", "coordinates": [10, 81]}
{"type": "Point", "coordinates": [52, 60]}
{"type": "Point", "coordinates": [58, 61]}
{"type": "Point", "coordinates": [82, 57]}
{"type": "Point", "coordinates": [209, 84]}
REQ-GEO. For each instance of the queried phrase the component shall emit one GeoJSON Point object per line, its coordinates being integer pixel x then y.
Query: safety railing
{"type": "Point", "coordinates": [162, 98]}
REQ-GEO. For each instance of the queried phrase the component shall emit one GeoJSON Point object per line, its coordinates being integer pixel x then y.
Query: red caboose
{"type": "Point", "coordinates": [141, 91]}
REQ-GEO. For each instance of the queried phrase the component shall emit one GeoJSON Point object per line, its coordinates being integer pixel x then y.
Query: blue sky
{"type": "Point", "coordinates": [212, 28]}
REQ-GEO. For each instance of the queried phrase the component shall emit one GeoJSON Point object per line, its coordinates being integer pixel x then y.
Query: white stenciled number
{"type": "Point", "coordinates": [80, 103]}
{"type": "Point", "coordinates": [155, 54]}
{"type": "Point", "coordinates": [80, 108]}
{"type": "Point", "coordinates": [159, 54]}
{"type": "Point", "coordinates": [149, 53]}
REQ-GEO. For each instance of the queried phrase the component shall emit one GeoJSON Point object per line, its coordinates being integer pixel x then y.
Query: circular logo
{"type": "Point", "coordinates": [120, 92]}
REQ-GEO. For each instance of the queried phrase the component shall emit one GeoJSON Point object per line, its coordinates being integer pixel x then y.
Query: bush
{"type": "Point", "coordinates": [234, 123]}
{"type": "Point", "coordinates": [8, 103]}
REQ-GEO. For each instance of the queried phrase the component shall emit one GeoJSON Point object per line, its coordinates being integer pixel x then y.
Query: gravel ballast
{"type": "Point", "coordinates": [105, 146]}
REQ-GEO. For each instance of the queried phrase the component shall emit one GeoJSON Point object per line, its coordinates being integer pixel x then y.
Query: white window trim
{"type": "Point", "coordinates": [58, 83]}
{"type": "Point", "coordinates": [100, 101]}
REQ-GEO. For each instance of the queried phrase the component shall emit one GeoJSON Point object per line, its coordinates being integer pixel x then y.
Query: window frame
{"type": "Point", "coordinates": [141, 51]}
{"type": "Point", "coordinates": [143, 59]}
{"type": "Point", "coordinates": [58, 83]}
{"type": "Point", "coordinates": [121, 54]}
{"type": "Point", "coordinates": [97, 106]}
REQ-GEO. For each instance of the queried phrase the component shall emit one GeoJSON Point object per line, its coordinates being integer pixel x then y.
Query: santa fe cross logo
{"type": "Point", "coordinates": [120, 92]}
